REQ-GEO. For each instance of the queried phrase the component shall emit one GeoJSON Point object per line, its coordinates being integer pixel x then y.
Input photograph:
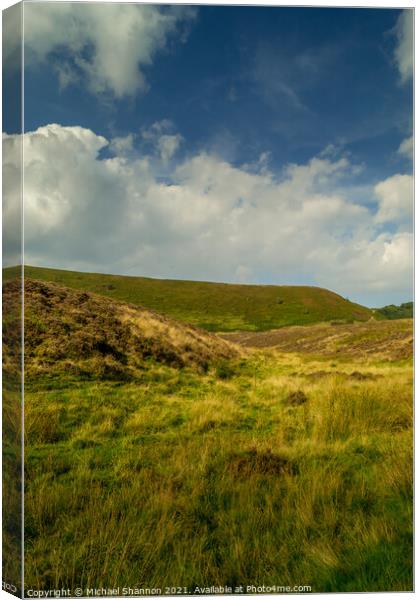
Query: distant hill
{"type": "Point", "coordinates": [216, 306]}
{"type": "Point", "coordinates": [403, 311]}
{"type": "Point", "coordinates": [380, 338]}
{"type": "Point", "coordinates": [87, 335]}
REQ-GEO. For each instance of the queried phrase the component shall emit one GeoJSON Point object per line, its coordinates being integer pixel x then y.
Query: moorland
{"type": "Point", "coordinates": [159, 453]}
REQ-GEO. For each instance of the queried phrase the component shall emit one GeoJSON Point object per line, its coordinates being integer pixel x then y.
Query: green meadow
{"type": "Point", "coordinates": [255, 473]}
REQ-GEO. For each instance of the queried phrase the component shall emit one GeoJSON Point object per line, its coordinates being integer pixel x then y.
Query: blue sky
{"type": "Point", "coordinates": [266, 145]}
{"type": "Point", "coordinates": [248, 80]}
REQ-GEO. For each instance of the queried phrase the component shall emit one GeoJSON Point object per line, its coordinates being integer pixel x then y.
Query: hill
{"type": "Point", "coordinates": [392, 312]}
{"type": "Point", "coordinates": [216, 306]}
{"type": "Point", "coordinates": [380, 339]}
{"type": "Point", "coordinates": [91, 336]}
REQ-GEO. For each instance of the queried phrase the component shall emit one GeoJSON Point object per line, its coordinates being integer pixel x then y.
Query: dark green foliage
{"type": "Point", "coordinates": [403, 311]}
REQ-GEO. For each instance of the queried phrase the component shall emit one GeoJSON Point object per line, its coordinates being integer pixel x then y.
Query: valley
{"type": "Point", "coordinates": [166, 455]}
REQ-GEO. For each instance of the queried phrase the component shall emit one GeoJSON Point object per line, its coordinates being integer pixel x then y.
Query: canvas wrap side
{"type": "Point", "coordinates": [12, 324]}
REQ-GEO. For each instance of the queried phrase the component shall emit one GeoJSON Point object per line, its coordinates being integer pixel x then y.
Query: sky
{"type": "Point", "coordinates": [244, 144]}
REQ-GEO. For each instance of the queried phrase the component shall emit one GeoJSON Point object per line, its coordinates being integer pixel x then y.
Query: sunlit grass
{"type": "Point", "coordinates": [185, 479]}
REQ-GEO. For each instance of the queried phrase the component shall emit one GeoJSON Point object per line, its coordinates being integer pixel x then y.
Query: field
{"type": "Point", "coordinates": [255, 466]}
{"type": "Point", "coordinates": [216, 306]}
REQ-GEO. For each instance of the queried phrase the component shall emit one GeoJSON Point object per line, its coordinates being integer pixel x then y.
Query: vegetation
{"type": "Point", "coordinates": [391, 340]}
{"type": "Point", "coordinates": [216, 306]}
{"type": "Point", "coordinates": [294, 468]}
{"type": "Point", "coordinates": [403, 311]}
{"type": "Point", "coordinates": [12, 439]}
{"type": "Point", "coordinates": [159, 455]}
{"type": "Point", "coordinates": [93, 337]}
{"type": "Point", "coordinates": [188, 479]}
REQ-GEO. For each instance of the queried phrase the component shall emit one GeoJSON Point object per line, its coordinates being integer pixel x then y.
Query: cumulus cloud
{"type": "Point", "coordinates": [404, 49]}
{"type": "Point", "coordinates": [406, 148]}
{"type": "Point", "coordinates": [396, 197]}
{"type": "Point", "coordinates": [168, 145]}
{"type": "Point", "coordinates": [207, 218]}
{"type": "Point", "coordinates": [12, 200]}
{"type": "Point", "coordinates": [12, 37]}
{"type": "Point", "coordinates": [162, 139]}
{"type": "Point", "coordinates": [105, 45]}
{"type": "Point", "coordinates": [122, 145]}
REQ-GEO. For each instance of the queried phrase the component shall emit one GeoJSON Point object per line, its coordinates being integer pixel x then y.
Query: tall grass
{"type": "Point", "coordinates": [185, 479]}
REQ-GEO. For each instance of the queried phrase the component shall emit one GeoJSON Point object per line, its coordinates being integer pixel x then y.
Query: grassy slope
{"type": "Point", "coordinates": [391, 339]}
{"type": "Point", "coordinates": [92, 336]}
{"type": "Point", "coordinates": [216, 306]}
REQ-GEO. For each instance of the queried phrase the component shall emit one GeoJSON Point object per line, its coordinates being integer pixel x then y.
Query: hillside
{"type": "Point", "coordinates": [384, 339]}
{"type": "Point", "coordinates": [216, 306]}
{"type": "Point", "coordinates": [91, 336]}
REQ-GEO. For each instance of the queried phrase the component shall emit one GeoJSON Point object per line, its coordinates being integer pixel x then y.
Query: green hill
{"type": "Point", "coordinates": [216, 306]}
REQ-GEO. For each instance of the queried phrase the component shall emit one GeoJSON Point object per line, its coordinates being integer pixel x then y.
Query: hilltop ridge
{"type": "Point", "coordinates": [216, 306]}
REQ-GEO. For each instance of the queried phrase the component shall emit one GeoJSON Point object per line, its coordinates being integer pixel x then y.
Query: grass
{"type": "Point", "coordinates": [145, 469]}
{"type": "Point", "coordinates": [215, 306]}
{"type": "Point", "coordinates": [186, 479]}
{"type": "Point", "coordinates": [12, 439]}
{"type": "Point", "coordinates": [390, 339]}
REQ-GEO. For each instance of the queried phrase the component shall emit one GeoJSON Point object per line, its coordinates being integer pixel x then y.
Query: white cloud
{"type": "Point", "coordinates": [122, 145]}
{"type": "Point", "coordinates": [12, 200]}
{"type": "Point", "coordinates": [164, 143]}
{"type": "Point", "coordinates": [12, 37]}
{"type": "Point", "coordinates": [404, 49]}
{"type": "Point", "coordinates": [406, 148]}
{"type": "Point", "coordinates": [168, 145]}
{"type": "Point", "coordinates": [396, 196]}
{"type": "Point", "coordinates": [208, 219]}
{"type": "Point", "coordinates": [107, 45]}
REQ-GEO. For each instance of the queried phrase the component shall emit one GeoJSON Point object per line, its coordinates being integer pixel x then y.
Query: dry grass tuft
{"type": "Point", "coordinates": [254, 462]}
{"type": "Point", "coordinates": [297, 398]}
